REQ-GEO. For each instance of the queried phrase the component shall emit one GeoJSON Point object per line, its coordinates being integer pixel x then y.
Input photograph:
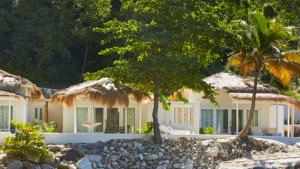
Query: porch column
{"type": "Point", "coordinates": [237, 118]}
{"type": "Point", "coordinates": [288, 122]}
{"type": "Point", "coordinates": [293, 120]}
{"type": "Point", "coordinates": [9, 114]}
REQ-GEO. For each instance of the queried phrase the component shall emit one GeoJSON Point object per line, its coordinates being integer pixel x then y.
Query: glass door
{"type": "Point", "coordinates": [222, 121]}
{"type": "Point", "coordinates": [81, 119]}
{"type": "Point", "coordinates": [98, 119]}
{"type": "Point", "coordinates": [4, 118]}
{"type": "Point", "coordinates": [233, 121]}
{"type": "Point", "coordinates": [112, 122]}
{"type": "Point", "coordinates": [130, 120]}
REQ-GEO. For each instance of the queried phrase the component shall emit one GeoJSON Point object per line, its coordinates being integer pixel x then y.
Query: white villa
{"type": "Point", "coordinates": [103, 107]}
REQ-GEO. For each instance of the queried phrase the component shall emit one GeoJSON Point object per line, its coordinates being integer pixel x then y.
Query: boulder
{"type": "Point", "coordinates": [15, 164]}
{"type": "Point", "coordinates": [47, 166]}
{"type": "Point", "coordinates": [28, 165]}
{"type": "Point", "coordinates": [33, 157]}
{"type": "Point", "coordinates": [84, 163]}
{"type": "Point", "coordinates": [70, 155]}
{"type": "Point", "coordinates": [65, 165]}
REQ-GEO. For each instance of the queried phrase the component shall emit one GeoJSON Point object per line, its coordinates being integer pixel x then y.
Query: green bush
{"type": "Point", "coordinates": [49, 127]}
{"type": "Point", "coordinates": [46, 127]}
{"type": "Point", "coordinates": [209, 130]}
{"type": "Point", "coordinates": [147, 128]}
{"type": "Point", "coordinates": [27, 142]}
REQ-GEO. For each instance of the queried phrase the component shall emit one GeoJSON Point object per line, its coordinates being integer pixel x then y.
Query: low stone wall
{"type": "Point", "coordinates": [63, 138]}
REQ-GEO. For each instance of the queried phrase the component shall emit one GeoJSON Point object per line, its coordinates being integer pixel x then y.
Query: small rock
{"type": "Point", "coordinates": [97, 159]}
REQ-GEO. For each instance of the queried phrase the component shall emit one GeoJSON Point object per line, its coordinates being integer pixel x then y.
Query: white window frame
{"type": "Point", "coordinates": [175, 114]}
{"type": "Point", "coordinates": [39, 113]}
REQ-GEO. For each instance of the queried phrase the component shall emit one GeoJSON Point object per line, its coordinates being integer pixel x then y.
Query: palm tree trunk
{"type": "Point", "coordinates": [244, 132]}
{"type": "Point", "coordinates": [157, 136]}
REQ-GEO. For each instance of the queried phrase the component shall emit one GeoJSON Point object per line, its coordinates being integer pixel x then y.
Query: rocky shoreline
{"type": "Point", "coordinates": [172, 153]}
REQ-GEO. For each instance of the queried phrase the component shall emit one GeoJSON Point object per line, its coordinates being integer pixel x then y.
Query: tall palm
{"type": "Point", "coordinates": [261, 41]}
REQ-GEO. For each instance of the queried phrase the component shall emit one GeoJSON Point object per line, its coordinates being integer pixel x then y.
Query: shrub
{"type": "Point", "coordinates": [49, 127]}
{"type": "Point", "coordinates": [46, 127]}
{"type": "Point", "coordinates": [26, 142]}
{"type": "Point", "coordinates": [147, 128]}
{"type": "Point", "coordinates": [209, 130]}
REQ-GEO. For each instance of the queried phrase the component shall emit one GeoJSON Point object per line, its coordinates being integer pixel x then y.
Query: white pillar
{"type": "Point", "coordinates": [276, 118]}
{"type": "Point", "coordinates": [215, 119]}
{"type": "Point", "coordinates": [293, 120]}
{"type": "Point", "coordinates": [75, 114]}
{"type": "Point", "coordinates": [125, 114]}
{"type": "Point", "coordinates": [140, 117]}
{"type": "Point", "coordinates": [288, 122]}
{"type": "Point", "coordinates": [237, 118]}
{"type": "Point", "coordinates": [9, 114]}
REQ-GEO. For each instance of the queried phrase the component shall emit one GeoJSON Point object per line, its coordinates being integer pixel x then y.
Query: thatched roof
{"type": "Point", "coordinates": [237, 84]}
{"type": "Point", "coordinates": [103, 91]}
{"type": "Point", "coordinates": [8, 94]}
{"type": "Point", "coordinates": [11, 83]}
{"type": "Point", "coordinates": [266, 96]}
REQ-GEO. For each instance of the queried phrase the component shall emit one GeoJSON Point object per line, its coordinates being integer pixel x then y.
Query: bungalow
{"type": "Point", "coordinates": [231, 113]}
{"type": "Point", "coordinates": [100, 106]}
{"type": "Point", "coordinates": [16, 95]}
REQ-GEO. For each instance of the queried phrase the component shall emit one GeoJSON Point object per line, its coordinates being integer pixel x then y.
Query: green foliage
{"type": "Point", "coordinates": [209, 130]}
{"type": "Point", "coordinates": [50, 127]}
{"type": "Point", "coordinates": [26, 141]}
{"type": "Point", "coordinates": [46, 127]}
{"type": "Point", "coordinates": [147, 128]}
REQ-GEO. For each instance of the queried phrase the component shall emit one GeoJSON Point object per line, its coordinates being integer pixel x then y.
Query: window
{"type": "Point", "coordinates": [255, 121]}
{"type": "Point", "coordinates": [182, 115]}
{"type": "Point", "coordinates": [206, 118]}
{"type": "Point", "coordinates": [81, 118]}
{"type": "Point", "coordinates": [38, 114]}
{"type": "Point", "coordinates": [4, 118]}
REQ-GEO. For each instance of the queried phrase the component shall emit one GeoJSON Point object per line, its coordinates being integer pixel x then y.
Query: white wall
{"type": "Point", "coordinates": [35, 104]}
{"type": "Point", "coordinates": [55, 113]}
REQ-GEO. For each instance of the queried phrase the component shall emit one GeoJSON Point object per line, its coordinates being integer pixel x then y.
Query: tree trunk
{"type": "Point", "coordinates": [157, 136]}
{"type": "Point", "coordinates": [244, 132]}
{"type": "Point", "coordinates": [84, 60]}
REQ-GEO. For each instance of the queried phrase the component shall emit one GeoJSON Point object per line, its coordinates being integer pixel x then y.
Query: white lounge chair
{"type": "Point", "coordinates": [171, 131]}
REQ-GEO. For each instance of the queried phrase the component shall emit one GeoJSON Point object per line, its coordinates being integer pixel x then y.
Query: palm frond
{"type": "Point", "coordinates": [282, 70]}
{"type": "Point", "coordinates": [292, 57]}
{"type": "Point", "coordinates": [236, 59]}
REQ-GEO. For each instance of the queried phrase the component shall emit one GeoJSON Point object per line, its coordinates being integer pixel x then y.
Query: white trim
{"type": "Point", "coordinates": [9, 114]}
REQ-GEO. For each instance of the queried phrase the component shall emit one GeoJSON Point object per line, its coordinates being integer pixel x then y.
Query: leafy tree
{"type": "Point", "coordinates": [165, 47]}
{"type": "Point", "coordinates": [260, 44]}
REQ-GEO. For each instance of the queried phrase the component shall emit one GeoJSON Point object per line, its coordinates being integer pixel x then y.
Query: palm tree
{"type": "Point", "coordinates": [260, 43]}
